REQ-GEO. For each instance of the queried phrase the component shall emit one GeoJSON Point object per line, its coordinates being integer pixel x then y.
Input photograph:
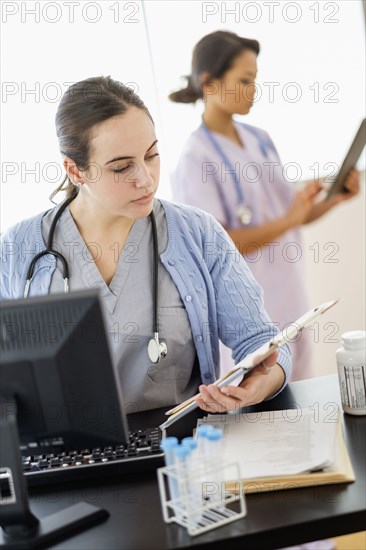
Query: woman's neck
{"type": "Point", "coordinates": [91, 223]}
{"type": "Point", "coordinates": [221, 122]}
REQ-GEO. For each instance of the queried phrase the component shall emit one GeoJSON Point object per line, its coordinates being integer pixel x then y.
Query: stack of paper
{"type": "Point", "coordinates": [284, 449]}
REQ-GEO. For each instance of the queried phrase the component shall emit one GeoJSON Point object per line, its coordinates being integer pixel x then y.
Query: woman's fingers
{"type": "Point", "coordinates": [270, 361]}
{"type": "Point", "coordinates": [215, 400]}
{"type": "Point", "coordinates": [353, 182]}
{"type": "Point", "coordinates": [212, 399]}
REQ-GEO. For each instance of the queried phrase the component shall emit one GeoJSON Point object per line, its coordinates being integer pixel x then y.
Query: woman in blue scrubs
{"type": "Point", "coordinates": [105, 233]}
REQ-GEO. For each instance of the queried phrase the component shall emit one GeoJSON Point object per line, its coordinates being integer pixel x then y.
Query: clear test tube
{"type": "Point", "coordinates": [202, 432]}
{"type": "Point", "coordinates": [168, 445]}
{"type": "Point", "coordinates": [192, 466]}
{"type": "Point", "coordinates": [190, 442]}
{"type": "Point", "coordinates": [182, 453]}
{"type": "Point", "coordinates": [203, 457]}
{"type": "Point", "coordinates": [214, 442]}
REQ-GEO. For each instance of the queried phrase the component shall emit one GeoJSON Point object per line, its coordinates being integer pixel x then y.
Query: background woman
{"type": "Point", "coordinates": [233, 171]}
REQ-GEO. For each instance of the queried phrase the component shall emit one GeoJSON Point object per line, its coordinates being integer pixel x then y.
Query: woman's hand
{"type": "Point", "coordinates": [302, 204]}
{"type": "Point", "coordinates": [259, 384]}
{"type": "Point", "coordinates": [352, 184]}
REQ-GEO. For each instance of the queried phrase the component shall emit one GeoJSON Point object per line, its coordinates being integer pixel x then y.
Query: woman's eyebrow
{"type": "Point", "coordinates": [250, 73]}
{"type": "Point", "coordinates": [129, 158]}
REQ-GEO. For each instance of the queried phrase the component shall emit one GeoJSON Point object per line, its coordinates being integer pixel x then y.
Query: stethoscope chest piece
{"type": "Point", "coordinates": [156, 350]}
{"type": "Point", "coordinates": [244, 214]}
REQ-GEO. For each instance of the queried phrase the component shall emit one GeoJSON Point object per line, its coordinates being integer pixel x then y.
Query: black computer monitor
{"type": "Point", "coordinates": [56, 365]}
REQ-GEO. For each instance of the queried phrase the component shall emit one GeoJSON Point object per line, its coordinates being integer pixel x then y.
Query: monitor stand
{"type": "Point", "coordinates": [20, 528]}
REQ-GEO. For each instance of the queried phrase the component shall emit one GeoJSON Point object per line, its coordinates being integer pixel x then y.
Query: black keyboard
{"type": "Point", "coordinates": [142, 452]}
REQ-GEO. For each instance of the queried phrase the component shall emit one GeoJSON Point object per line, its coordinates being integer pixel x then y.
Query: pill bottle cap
{"type": "Point", "coordinates": [354, 339]}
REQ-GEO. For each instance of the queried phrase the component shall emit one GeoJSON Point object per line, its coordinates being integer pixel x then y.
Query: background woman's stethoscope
{"type": "Point", "coordinates": [243, 212]}
{"type": "Point", "coordinates": [156, 349]}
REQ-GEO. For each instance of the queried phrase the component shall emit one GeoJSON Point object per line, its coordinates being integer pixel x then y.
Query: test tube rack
{"type": "Point", "coordinates": [191, 510]}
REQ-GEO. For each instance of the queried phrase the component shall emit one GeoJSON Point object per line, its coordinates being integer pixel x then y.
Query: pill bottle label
{"type": "Point", "coordinates": [352, 382]}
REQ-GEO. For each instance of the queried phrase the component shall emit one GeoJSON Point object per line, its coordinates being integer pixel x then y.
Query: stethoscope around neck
{"type": "Point", "coordinates": [156, 349]}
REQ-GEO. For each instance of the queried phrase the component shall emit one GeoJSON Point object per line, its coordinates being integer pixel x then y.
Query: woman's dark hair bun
{"type": "Point", "coordinates": [190, 94]}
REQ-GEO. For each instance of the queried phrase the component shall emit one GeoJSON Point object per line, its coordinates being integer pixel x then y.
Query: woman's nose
{"type": "Point", "coordinates": [143, 177]}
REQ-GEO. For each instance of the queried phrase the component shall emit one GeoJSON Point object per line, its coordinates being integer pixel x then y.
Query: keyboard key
{"type": "Point", "coordinates": [57, 442]}
{"type": "Point", "coordinates": [37, 457]}
{"type": "Point", "coordinates": [96, 456]}
{"type": "Point", "coordinates": [131, 451]}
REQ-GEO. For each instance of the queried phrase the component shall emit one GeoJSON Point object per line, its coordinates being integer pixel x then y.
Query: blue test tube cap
{"type": "Point", "coordinates": [215, 434]}
{"type": "Point", "coordinates": [203, 430]}
{"type": "Point", "coordinates": [182, 451]}
{"type": "Point", "coordinates": [190, 442]}
{"type": "Point", "coordinates": [169, 443]}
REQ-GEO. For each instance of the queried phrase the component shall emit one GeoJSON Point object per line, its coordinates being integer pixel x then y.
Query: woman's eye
{"type": "Point", "coordinates": [247, 82]}
{"type": "Point", "coordinates": [124, 169]}
{"type": "Point", "coordinates": [152, 156]}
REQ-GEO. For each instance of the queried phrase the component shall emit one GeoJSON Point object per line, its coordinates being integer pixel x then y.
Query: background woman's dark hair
{"type": "Point", "coordinates": [213, 54]}
{"type": "Point", "coordinates": [85, 104]}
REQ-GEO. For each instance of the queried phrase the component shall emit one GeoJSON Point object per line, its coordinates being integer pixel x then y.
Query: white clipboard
{"type": "Point", "coordinates": [252, 360]}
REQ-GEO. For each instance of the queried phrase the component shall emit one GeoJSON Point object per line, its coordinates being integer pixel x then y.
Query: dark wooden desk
{"type": "Point", "coordinates": [274, 520]}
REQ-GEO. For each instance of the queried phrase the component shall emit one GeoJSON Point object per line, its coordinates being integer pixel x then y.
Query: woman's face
{"type": "Point", "coordinates": [234, 93]}
{"type": "Point", "coordinates": [124, 165]}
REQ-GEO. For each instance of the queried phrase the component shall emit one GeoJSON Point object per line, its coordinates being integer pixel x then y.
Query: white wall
{"type": "Point", "coordinates": [335, 266]}
{"type": "Point", "coordinates": [315, 45]}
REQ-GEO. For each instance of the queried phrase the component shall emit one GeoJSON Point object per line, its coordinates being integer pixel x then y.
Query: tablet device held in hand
{"type": "Point", "coordinates": [354, 152]}
{"type": "Point", "coordinates": [252, 360]}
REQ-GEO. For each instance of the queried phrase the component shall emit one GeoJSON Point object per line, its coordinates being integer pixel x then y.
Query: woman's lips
{"type": "Point", "coordinates": [145, 199]}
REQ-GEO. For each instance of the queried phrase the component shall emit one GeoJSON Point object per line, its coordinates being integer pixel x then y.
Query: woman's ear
{"type": "Point", "coordinates": [75, 175]}
{"type": "Point", "coordinates": [204, 78]}
{"type": "Point", "coordinates": [210, 86]}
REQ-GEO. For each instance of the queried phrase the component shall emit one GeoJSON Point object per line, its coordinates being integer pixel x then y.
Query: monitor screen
{"type": "Point", "coordinates": [56, 365]}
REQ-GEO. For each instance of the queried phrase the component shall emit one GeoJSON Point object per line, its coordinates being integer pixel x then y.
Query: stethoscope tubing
{"type": "Point", "coordinates": [51, 251]}
{"type": "Point", "coordinates": [264, 146]}
{"type": "Point", "coordinates": [159, 348]}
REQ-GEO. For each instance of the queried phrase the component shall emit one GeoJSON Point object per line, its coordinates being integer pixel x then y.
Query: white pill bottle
{"type": "Point", "coordinates": [351, 358]}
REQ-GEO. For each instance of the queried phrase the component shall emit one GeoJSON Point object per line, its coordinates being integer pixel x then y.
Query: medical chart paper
{"type": "Point", "coordinates": [277, 443]}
